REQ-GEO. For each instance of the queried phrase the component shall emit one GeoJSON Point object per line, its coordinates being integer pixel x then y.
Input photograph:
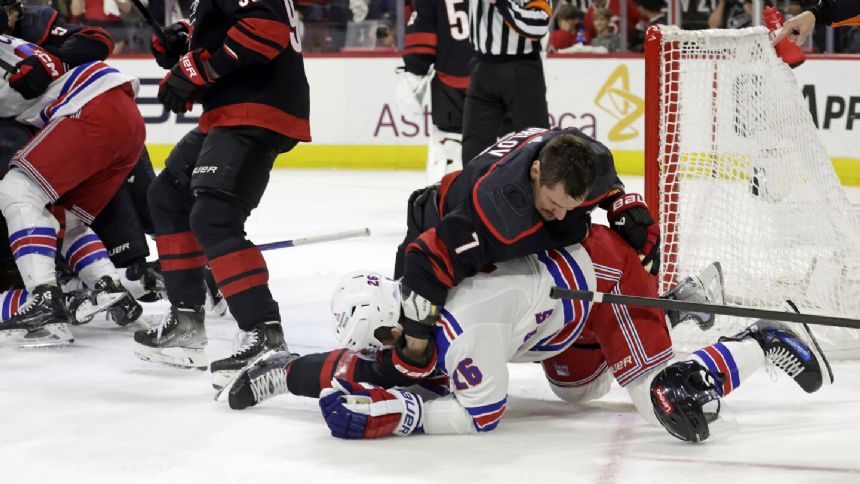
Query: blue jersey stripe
{"type": "Point", "coordinates": [730, 361]}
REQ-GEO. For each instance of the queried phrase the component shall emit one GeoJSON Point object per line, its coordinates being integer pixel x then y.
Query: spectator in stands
{"type": "Point", "coordinates": [385, 10]}
{"type": "Point", "coordinates": [614, 8]}
{"type": "Point", "coordinates": [385, 38]}
{"type": "Point", "coordinates": [652, 12]}
{"type": "Point", "coordinates": [312, 11]}
{"type": "Point", "coordinates": [605, 34]}
{"type": "Point", "coordinates": [731, 14]}
{"type": "Point", "coordinates": [105, 14]}
{"type": "Point", "coordinates": [570, 28]}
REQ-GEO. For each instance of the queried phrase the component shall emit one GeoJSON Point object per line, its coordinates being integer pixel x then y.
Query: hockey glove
{"type": "Point", "coordinates": [419, 315]}
{"type": "Point", "coordinates": [365, 411]}
{"type": "Point", "coordinates": [166, 56]}
{"type": "Point", "coordinates": [410, 91]}
{"type": "Point", "coordinates": [34, 74]}
{"type": "Point", "coordinates": [185, 81]}
{"type": "Point", "coordinates": [628, 215]}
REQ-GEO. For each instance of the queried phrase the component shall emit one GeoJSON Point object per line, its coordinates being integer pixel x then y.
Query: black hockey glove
{"type": "Point", "coordinates": [185, 81]}
{"type": "Point", "coordinates": [628, 215]}
{"type": "Point", "coordinates": [34, 74]}
{"type": "Point", "coordinates": [166, 56]}
{"type": "Point", "coordinates": [418, 314]}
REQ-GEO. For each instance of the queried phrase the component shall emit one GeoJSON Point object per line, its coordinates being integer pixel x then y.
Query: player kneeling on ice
{"type": "Point", "coordinates": [506, 315]}
{"type": "Point", "coordinates": [91, 135]}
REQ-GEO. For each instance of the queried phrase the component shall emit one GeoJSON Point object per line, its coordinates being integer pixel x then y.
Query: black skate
{"type": "Point", "coordinates": [41, 321]}
{"type": "Point", "coordinates": [108, 295]}
{"type": "Point", "coordinates": [794, 351]}
{"type": "Point", "coordinates": [264, 337]}
{"type": "Point", "coordinates": [125, 309]}
{"type": "Point", "coordinates": [706, 287]}
{"type": "Point", "coordinates": [145, 281]}
{"type": "Point", "coordinates": [179, 340]}
{"type": "Point", "coordinates": [261, 380]}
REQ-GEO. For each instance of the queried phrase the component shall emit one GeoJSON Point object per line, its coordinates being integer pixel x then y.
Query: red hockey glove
{"type": "Point", "coordinates": [187, 78]}
{"type": "Point", "coordinates": [628, 215]}
{"type": "Point", "coordinates": [166, 56]}
{"type": "Point", "coordinates": [788, 51]}
{"type": "Point", "coordinates": [34, 74]}
{"type": "Point", "coordinates": [365, 411]}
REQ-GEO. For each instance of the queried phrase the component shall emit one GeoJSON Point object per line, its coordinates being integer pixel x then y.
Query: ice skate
{"type": "Point", "coordinates": [125, 309]}
{"type": "Point", "coordinates": [144, 281]}
{"type": "Point", "coordinates": [179, 340]}
{"type": "Point", "coordinates": [706, 287]}
{"type": "Point", "coordinates": [41, 321]}
{"type": "Point", "coordinates": [793, 350]}
{"type": "Point", "coordinates": [264, 337]}
{"type": "Point", "coordinates": [264, 378]}
{"type": "Point", "coordinates": [84, 304]}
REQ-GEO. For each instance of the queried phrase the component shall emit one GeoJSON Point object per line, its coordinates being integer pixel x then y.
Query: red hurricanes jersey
{"type": "Point", "coordinates": [438, 34]}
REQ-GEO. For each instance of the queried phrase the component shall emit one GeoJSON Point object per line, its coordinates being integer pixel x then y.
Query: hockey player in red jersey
{"type": "Point", "coordinates": [505, 314]}
{"type": "Point", "coordinates": [243, 63]}
{"type": "Point", "coordinates": [88, 120]}
{"type": "Point", "coordinates": [437, 36]}
{"type": "Point", "coordinates": [532, 191]}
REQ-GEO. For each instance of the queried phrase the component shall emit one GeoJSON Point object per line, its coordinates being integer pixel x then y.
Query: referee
{"type": "Point", "coordinates": [506, 74]}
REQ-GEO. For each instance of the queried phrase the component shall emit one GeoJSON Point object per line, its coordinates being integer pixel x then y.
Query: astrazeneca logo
{"type": "Point", "coordinates": [615, 99]}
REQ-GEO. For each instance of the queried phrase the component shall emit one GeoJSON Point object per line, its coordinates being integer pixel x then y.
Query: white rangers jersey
{"type": "Point", "coordinates": [65, 96]}
{"type": "Point", "coordinates": [499, 317]}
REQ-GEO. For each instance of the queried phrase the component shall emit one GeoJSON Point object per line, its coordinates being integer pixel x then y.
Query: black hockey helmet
{"type": "Point", "coordinates": [686, 399]}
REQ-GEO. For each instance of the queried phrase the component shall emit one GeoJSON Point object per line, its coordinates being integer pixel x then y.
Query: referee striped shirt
{"type": "Point", "coordinates": [508, 27]}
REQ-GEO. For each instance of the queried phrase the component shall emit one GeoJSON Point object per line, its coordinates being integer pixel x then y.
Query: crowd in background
{"type": "Point", "coordinates": [361, 25]}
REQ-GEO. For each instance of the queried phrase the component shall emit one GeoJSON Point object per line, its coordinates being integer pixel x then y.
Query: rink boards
{"type": "Point", "coordinates": [355, 121]}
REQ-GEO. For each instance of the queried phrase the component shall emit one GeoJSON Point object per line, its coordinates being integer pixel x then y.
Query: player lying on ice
{"type": "Point", "coordinates": [88, 121]}
{"type": "Point", "coordinates": [505, 315]}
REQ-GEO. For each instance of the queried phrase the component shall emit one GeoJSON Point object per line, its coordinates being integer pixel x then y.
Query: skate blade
{"type": "Point", "coordinates": [827, 372]}
{"type": "Point", "coordinates": [220, 379]}
{"type": "Point", "coordinates": [87, 309]}
{"type": "Point", "coordinates": [225, 388]}
{"type": "Point", "coordinates": [185, 358]}
{"type": "Point", "coordinates": [50, 335]}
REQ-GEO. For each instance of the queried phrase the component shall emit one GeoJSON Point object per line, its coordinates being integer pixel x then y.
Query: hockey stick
{"type": "Point", "coordinates": [348, 234]}
{"type": "Point", "coordinates": [668, 304]}
{"type": "Point", "coordinates": [156, 28]}
{"type": "Point", "coordinates": [9, 68]}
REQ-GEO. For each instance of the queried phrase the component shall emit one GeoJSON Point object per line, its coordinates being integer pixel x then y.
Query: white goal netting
{"type": "Point", "coordinates": [744, 180]}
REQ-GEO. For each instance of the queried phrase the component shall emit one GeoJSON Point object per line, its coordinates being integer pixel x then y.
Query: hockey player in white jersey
{"type": "Point", "coordinates": [90, 136]}
{"type": "Point", "coordinates": [506, 316]}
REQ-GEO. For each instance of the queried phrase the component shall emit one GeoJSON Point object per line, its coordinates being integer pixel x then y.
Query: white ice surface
{"type": "Point", "coordinates": [93, 413]}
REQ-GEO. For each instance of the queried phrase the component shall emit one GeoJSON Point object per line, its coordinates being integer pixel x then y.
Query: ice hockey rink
{"type": "Point", "coordinates": [93, 413]}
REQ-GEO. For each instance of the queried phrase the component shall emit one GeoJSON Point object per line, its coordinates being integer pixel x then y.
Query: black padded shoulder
{"type": "Point", "coordinates": [503, 197]}
{"type": "Point", "coordinates": [35, 23]}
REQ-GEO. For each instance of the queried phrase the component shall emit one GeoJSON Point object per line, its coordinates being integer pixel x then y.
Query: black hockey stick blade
{"type": "Point", "coordinates": [739, 311]}
{"type": "Point", "coordinates": [156, 27]}
{"type": "Point", "coordinates": [9, 68]}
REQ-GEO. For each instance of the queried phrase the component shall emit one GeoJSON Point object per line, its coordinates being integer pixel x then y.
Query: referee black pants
{"type": "Point", "coordinates": [511, 90]}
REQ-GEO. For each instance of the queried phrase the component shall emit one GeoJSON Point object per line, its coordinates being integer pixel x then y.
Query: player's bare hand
{"type": "Point", "coordinates": [797, 29]}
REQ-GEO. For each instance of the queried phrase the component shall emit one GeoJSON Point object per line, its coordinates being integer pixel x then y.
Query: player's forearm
{"type": "Point", "coordinates": [84, 45]}
{"type": "Point", "coordinates": [447, 416]}
{"type": "Point", "coordinates": [258, 37]}
{"type": "Point", "coordinates": [531, 20]}
{"type": "Point", "coordinates": [837, 14]}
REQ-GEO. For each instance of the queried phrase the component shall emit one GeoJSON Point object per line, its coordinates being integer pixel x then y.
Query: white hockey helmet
{"type": "Point", "coordinates": [362, 302]}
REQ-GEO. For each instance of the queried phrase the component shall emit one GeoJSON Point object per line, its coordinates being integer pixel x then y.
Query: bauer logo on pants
{"type": "Point", "coordinates": [202, 170]}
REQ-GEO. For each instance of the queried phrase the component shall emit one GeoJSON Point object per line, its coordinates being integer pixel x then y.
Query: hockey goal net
{"type": "Point", "coordinates": [737, 173]}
